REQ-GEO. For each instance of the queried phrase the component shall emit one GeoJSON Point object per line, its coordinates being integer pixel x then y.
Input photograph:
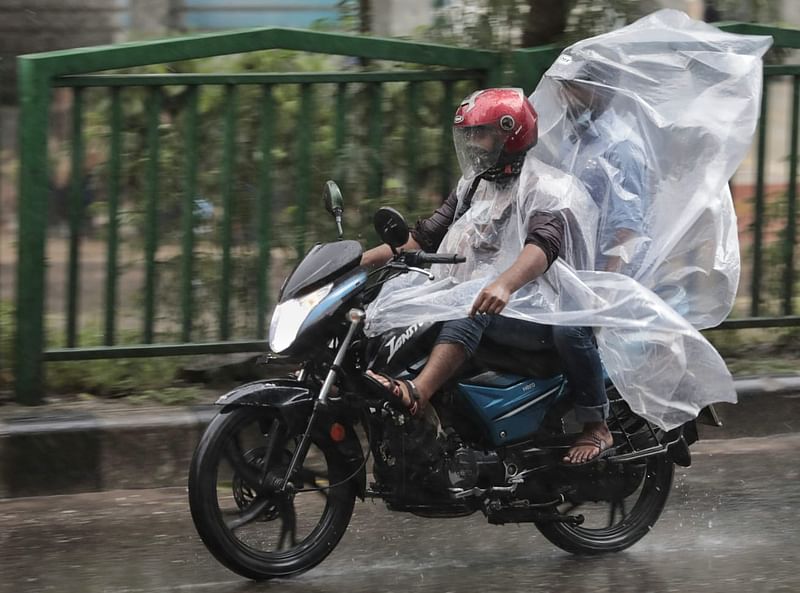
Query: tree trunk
{"type": "Point", "coordinates": [546, 21]}
{"type": "Point", "coordinates": [365, 16]}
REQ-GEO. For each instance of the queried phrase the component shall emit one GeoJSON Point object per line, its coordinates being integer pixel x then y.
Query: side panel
{"type": "Point", "coordinates": [395, 351]}
{"type": "Point", "coordinates": [511, 412]}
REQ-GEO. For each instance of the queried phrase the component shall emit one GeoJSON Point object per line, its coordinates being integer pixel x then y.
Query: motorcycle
{"type": "Point", "coordinates": [274, 478]}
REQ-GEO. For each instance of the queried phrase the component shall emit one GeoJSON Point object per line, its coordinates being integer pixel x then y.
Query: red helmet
{"type": "Point", "coordinates": [491, 127]}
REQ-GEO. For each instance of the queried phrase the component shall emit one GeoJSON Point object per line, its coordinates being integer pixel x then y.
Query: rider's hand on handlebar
{"type": "Point", "coordinates": [492, 299]}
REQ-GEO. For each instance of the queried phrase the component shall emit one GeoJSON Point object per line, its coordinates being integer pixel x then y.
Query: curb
{"type": "Point", "coordinates": [70, 452]}
{"type": "Point", "coordinates": [44, 452]}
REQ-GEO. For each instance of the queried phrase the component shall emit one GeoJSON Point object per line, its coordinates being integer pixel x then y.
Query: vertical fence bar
{"type": "Point", "coordinates": [412, 146]}
{"type": "Point", "coordinates": [228, 161]}
{"type": "Point", "coordinates": [340, 134]}
{"type": "Point", "coordinates": [304, 121]}
{"type": "Point", "coordinates": [151, 214]}
{"type": "Point", "coordinates": [375, 188]}
{"type": "Point", "coordinates": [34, 93]}
{"type": "Point", "coordinates": [446, 149]}
{"type": "Point", "coordinates": [264, 208]}
{"type": "Point", "coordinates": [75, 217]}
{"type": "Point", "coordinates": [758, 229]}
{"type": "Point", "coordinates": [791, 198]}
{"type": "Point", "coordinates": [114, 173]}
{"type": "Point", "coordinates": [189, 196]}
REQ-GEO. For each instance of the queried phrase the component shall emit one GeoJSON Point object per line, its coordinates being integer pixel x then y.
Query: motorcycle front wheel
{"type": "Point", "coordinates": [253, 529]}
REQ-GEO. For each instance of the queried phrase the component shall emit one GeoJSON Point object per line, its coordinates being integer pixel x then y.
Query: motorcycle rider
{"type": "Point", "coordinates": [493, 131]}
{"type": "Point", "coordinates": [602, 148]}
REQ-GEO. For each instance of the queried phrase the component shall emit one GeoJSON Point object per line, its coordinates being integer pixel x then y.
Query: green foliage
{"type": "Point", "coordinates": [758, 351]}
{"type": "Point", "coordinates": [499, 24]}
{"type": "Point", "coordinates": [353, 165]}
{"type": "Point", "coordinates": [172, 396]}
{"type": "Point", "coordinates": [588, 18]}
{"type": "Point", "coordinates": [111, 378]}
{"type": "Point", "coordinates": [6, 343]}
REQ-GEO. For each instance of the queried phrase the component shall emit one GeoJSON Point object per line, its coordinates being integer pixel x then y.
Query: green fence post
{"type": "Point", "coordinates": [228, 163]}
{"type": "Point", "coordinates": [791, 214]}
{"type": "Point", "coordinates": [375, 141]}
{"type": "Point", "coordinates": [34, 92]}
{"type": "Point", "coordinates": [446, 141]}
{"type": "Point", "coordinates": [529, 65]}
{"type": "Point", "coordinates": [114, 173]}
{"type": "Point", "coordinates": [151, 215]}
{"type": "Point", "coordinates": [75, 217]}
{"type": "Point", "coordinates": [189, 196]}
{"type": "Point", "coordinates": [304, 119]}
{"type": "Point", "coordinates": [758, 224]}
{"type": "Point", "coordinates": [412, 146]}
{"type": "Point", "coordinates": [264, 209]}
{"type": "Point", "coordinates": [341, 132]}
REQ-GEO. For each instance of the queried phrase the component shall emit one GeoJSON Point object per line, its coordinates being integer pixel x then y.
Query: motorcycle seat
{"type": "Point", "coordinates": [539, 364]}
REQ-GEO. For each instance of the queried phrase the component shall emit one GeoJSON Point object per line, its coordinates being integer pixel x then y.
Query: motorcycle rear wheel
{"type": "Point", "coordinates": [591, 539]}
{"type": "Point", "coordinates": [256, 535]}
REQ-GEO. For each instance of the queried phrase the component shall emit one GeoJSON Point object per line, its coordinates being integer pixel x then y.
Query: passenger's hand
{"type": "Point", "coordinates": [492, 299]}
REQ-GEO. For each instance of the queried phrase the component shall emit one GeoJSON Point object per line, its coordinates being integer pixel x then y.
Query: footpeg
{"type": "Point", "coordinates": [573, 520]}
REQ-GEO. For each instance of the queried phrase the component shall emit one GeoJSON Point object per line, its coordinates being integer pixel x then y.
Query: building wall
{"type": "Point", "coordinates": [28, 26]}
{"type": "Point", "coordinates": [400, 17]}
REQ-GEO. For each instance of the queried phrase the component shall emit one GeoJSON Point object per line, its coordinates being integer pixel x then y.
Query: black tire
{"type": "Point", "coordinates": [650, 497]}
{"type": "Point", "coordinates": [215, 460]}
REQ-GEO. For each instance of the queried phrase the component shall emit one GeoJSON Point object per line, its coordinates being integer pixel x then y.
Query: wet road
{"type": "Point", "coordinates": [730, 525]}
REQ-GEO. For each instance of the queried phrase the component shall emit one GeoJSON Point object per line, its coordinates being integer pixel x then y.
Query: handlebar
{"type": "Point", "coordinates": [421, 258]}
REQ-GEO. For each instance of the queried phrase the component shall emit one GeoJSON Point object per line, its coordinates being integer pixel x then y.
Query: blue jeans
{"type": "Point", "coordinates": [575, 346]}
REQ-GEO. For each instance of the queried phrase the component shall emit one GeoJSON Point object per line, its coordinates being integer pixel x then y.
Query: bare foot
{"type": "Point", "coordinates": [595, 439]}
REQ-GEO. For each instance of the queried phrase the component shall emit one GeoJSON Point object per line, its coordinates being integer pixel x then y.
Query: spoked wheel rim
{"type": "Point", "coordinates": [263, 521]}
{"type": "Point", "coordinates": [607, 519]}
{"type": "Point", "coordinates": [242, 517]}
{"type": "Point", "coordinates": [617, 521]}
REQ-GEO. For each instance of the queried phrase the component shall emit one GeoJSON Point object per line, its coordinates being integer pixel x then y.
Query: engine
{"type": "Point", "coordinates": [421, 464]}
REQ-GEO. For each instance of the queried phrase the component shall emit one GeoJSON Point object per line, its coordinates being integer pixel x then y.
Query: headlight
{"type": "Point", "coordinates": [289, 316]}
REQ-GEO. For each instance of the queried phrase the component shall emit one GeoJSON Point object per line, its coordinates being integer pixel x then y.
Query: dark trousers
{"type": "Point", "coordinates": [575, 346]}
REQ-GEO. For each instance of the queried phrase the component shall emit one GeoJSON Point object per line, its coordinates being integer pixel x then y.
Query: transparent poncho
{"type": "Point", "coordinates": [640, 131]}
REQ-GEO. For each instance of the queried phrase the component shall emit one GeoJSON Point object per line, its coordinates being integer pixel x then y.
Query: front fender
{"type": "Point", "coordinates": [294, 402]}
{"type": "Point", "coordinates": [290, 398]}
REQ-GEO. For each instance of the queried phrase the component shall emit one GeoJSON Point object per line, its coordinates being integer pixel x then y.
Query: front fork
{"type": "Point", "coordinates": [356, 318]}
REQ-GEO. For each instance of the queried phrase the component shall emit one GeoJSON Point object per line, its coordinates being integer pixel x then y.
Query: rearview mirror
{"type": "Point", "coordinates": [334, 203]}
{"type": "Point", "coordinates": [332, 195]}
{"type": "Point", "coordinates": [391, 227]}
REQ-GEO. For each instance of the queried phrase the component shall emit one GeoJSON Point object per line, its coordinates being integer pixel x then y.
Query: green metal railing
{"type": "Point", "coordinates": [78, 70]}
{"type": "Point", "coordinates": [75, 69]}
{"type": "Point", "coordinates": [786, 316]}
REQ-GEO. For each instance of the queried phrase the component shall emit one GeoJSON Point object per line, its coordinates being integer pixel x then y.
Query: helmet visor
{"type": "Point", "coordinates": [478, 148]}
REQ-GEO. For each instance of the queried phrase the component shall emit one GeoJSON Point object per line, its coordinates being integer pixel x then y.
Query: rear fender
{"type": "Point", "coordinates": [294, 402]}
{"type": "Point", "coordinates": [677, 442]}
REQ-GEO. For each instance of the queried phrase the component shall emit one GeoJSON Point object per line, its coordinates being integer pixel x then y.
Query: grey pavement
{"type": "Point", "coordinates": [62, 450]}
{"type": "Point", "coordinates": [730, 526]}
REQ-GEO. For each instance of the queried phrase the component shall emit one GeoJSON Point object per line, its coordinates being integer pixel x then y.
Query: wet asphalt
{"type": "Point", "coordinates": [731, 525]}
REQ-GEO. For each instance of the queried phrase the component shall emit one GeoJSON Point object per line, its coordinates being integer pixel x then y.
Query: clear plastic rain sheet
{"type": "Point", "coordinates": [640, 130]}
